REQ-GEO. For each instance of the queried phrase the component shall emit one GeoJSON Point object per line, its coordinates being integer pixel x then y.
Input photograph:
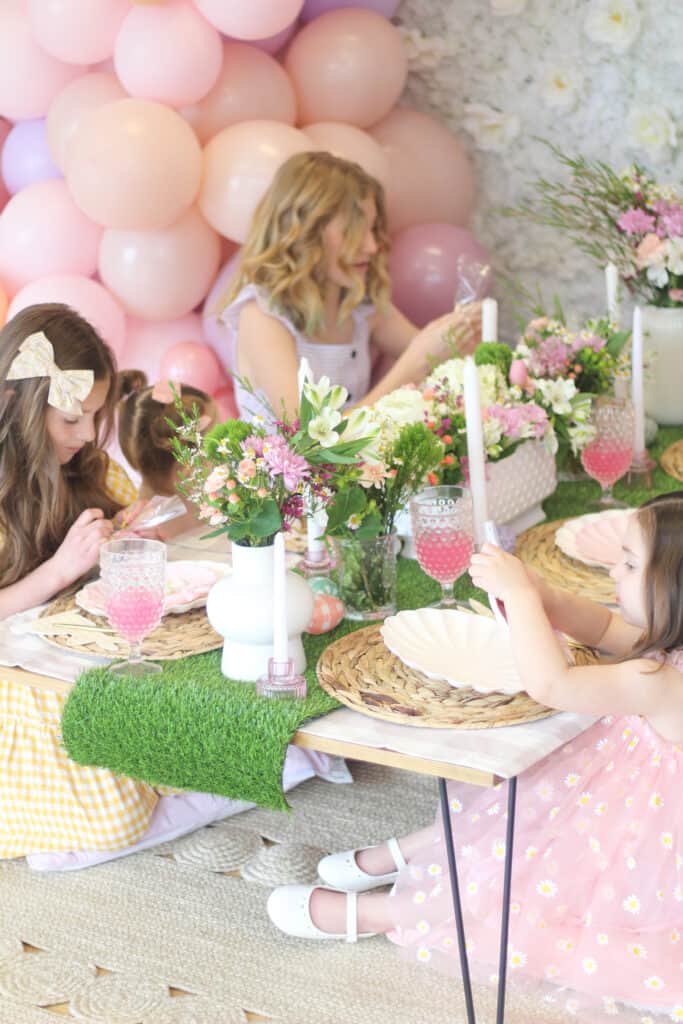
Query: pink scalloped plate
{"type": "Point", "coordinates": [601, 540]}
{"type": "Point", "coordinates": [187, 587]}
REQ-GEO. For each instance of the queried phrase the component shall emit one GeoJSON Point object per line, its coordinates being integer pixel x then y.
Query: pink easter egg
{"type": "Point", "coordinates": [328, 611]}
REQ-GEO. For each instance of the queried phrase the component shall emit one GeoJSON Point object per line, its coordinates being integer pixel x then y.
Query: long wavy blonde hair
{"type": "Point", "coordinates": [285, 251]}
{"type": "Point", "coordinates": [39, 498]}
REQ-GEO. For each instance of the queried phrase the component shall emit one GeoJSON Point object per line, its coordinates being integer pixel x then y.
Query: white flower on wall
{"type": "Point", "coordinates": [616, 23]}
{"type": "Point", "coordinates": [424, 53]}
{"type": "Point", "coordinates": [561, 84]}
{"type": "Point", "coordinates": [651, 129]}
{"type": "Point", "coordinates": [491, 129]}
{"type": "Point", "coordinates": [503, 7]}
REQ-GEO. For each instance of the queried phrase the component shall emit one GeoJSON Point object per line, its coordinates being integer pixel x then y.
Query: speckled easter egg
{"type": "Point", "coordinates": [328, 611]}
{"type": "Point", "coordinates": [323, 585]}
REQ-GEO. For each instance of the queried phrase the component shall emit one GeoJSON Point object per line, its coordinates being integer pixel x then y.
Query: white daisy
{"type": "Point", "coordinates": [654, 983]}
{"type": "Point", "coordinates": [498, 849]}
{"type": "Point", "coordinates": [434, 870]}
{"type": "Point", "coordinates": [637, 950]}
{"type": "Point", "coordinates": [594, 844]}
{"type": "Point", "coordinates": [656, 801]}
{"type": "Point", "coordinates": [546, 888]}
{"type": "Point", "coordinates": [667, 840]}
{"type": "Point", "coordinates": [589, 964]}
{"type": "Point", "coordinates": [631, 904]}
{"type": "Point", "coordinates": [602, 939]}
{"type": "Point", "coordinates": [422, 927]}
{"type": "Point", "coordinates": [419, 896]}
{"type": "Point", "coordinates": [456, 805]}
{"type": "Point", "coordinates": [423, 955]}
{"type": "Point", "coordinates": [517, 958]}
{"type": "Point", "coordinates": [473, 888]}
{"type": "Point", "coordinates": [601, 808]}
{"type": "Point", "coordinates": [531, 852]}
{"type": "Point", "coordinates": [583, 799]}
{"type": "Point", "coordinates": [571, 779]}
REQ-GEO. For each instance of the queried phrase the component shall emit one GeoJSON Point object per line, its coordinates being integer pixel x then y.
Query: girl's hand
{"type": "Point", "coordinates": [461, 328]}
{"type": "Point", "coordinates": [80, 549]}
{"type": "Point", "coordinates": [498, 572]}
{"type": "Point", "coordinates": [128, 514]}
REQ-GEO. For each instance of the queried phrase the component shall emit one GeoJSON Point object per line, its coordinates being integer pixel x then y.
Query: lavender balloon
{"type": "Point", "coordinates": [313, 8]}
{"type": "Point", "coordinates": [26, 157]}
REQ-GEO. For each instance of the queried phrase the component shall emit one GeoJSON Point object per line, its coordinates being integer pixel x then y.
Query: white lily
{"type": "Point", "coordinates": [321, 427]}
{"type": "Point", "coordinates": [325, 394]}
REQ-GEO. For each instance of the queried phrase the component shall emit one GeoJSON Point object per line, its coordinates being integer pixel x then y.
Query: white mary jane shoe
{"type": "Point", "coordinates": [341, 871]}
{"type": "Point", "coordinates": [289, 910]}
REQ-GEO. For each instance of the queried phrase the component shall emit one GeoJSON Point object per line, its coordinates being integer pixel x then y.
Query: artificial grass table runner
{"type": "Point", "coordinates": [191, 728]}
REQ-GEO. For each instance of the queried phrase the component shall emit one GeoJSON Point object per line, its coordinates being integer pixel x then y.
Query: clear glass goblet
{"type": "Point", "coordinates": [609, 455]}
{"type": "Point", "coordinates": [133, 572]}
{"type": "Point", "coordinates": [443, 533]}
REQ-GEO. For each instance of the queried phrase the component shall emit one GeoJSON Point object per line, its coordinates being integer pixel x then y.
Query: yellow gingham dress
{"type": "Point", "coordinates": [47, 801]}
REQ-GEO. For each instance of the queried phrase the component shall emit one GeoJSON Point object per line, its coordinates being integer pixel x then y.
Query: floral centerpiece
{"type": "Point", "coordinates": [627, 219]}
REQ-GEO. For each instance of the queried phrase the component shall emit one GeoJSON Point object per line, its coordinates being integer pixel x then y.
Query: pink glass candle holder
{"type": "Point", "coordinates": [281, 681]}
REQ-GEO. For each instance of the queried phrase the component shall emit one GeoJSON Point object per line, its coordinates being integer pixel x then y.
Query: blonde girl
{"type": "Point", "coordinates": [312, 281]}
{"type": "Point", "coordinates": [597, 869]}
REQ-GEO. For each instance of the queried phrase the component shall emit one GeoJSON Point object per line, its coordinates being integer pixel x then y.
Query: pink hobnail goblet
{"type": "Point", "coordinates": [133, 572]}
{"type": "Point", "coordinates": [443, 533]}
{"type": "Point", "coordinates": [609, 455]}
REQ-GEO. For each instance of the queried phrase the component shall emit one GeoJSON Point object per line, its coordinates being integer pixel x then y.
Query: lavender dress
{"type": "Point", "coordinates": [348, 364]}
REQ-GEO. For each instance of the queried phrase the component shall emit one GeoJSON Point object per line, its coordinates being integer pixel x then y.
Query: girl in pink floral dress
{"type": "Point", "coordinates": [597, 876]}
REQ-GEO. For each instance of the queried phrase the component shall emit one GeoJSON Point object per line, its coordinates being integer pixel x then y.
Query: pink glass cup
{"type": "Point", "coordinates": [133, 572]}
{"type": "Point", "coordinates": [609, 455]}
{"type": "Point", "coordinates": [443, 533]}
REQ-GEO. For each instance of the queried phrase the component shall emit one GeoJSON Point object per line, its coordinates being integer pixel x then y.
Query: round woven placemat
{"type": "Point", "coordinates": [361, 672]}
{"type": "Point", "coordinates": [671, 460]}
{"type": "Point", "coordinates": [538, 549]}
{"type": "Point", "coordinates": [176, 637]}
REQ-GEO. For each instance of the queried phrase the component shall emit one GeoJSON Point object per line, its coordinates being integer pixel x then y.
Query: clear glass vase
{"type": "Point", "coordinates": [365, 574]}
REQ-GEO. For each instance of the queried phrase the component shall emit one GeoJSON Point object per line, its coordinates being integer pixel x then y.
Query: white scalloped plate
{"type": "Point", "coordinates": [605, 532]}
{"type": "Point", "coordinates": [463, 649]}
{"type": "Point", "coordinates": [187, 586]}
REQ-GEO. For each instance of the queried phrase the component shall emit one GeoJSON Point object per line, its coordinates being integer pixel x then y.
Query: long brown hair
{"type": "Point", "coordinates": [146, 426]}
{"type": "Point", "coordinates": [285, 252]}
{"type": "Point", "coordinates": [661, 522]}
{"type": "Point", "coordinates": [39, 498]}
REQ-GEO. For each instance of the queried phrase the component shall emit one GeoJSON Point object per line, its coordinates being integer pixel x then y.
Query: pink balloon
{"type": "Point", "coordinates": [146, 343]}
{"type": "Point", "coordinates": [250, 19]}
{"type": "Point", "coordinates": [87, 297]}
{"type": "Point", "coordinates": [191, 363]}
{"type": "Point", "coordinates": [168, 53]}
{"type": "Point", "coordinates": [227, 406]}
{"type": "Point", "coordinates": [70, 108]}
{"type": "Point", "coordinates": [239, 164]}
{"type": "Point", "coordinates": [136, 167]}
{"type": "Point", "coordinates": [431, 176]}
{"type": "Point", "coordinates": [161, 275]}
{"type": "Point", "coordinates": [272, 44]}
{"type": "Point", "coordinates": [348, 65]}
{"type": "Point", "coordinates": [350, 143]}
{"type": "Point", "coordinates": [214, 331]}
{"type": "Point", "coordinates": [423, 268]}
{"type": "Point", "coordinates": [43, 232]}
{"type": "Point", "coordinates": [29, 77]}
{"type": "Point", "coordinates": [77, 31]}
{"type": "Point", "coordinates": [5, 129]}
{"type": "Point", "coordinates": [252, 86]}
{"type": "Point", "coordinates": [26, 157]}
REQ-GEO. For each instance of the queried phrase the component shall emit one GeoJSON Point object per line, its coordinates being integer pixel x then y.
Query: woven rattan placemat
{"type": "Point", "coordinates": [671, 460]}
{"type": "Point", "coordinates": [363, 674]}
{"type": "Point", "coordinates": [538, 549]}
{"type": "Point", "coordinates": [176, 637]}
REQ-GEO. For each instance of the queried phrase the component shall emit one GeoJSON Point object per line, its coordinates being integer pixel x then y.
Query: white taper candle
{"type": "Point", "coordinates": [476, 460]}
{"type": "Point", "coordinates": [489, 320]}
{"type": "Point", "coordinates": [280, 637]}
{"type": "Point", "coordinates": [612, 289]}
{"type": "Point", "coordinates": [637, 390]}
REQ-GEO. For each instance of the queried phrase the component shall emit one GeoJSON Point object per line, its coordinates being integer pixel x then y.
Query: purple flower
{"type": "Point", "coordinates": [254, 444]}
{"type": "Point", "coordinates": [636, 221]}
{"type": "Point", "coordinates": [514, 420]}
{"type": "Point", "coordinates": [549, 359]}
{"type": "Point", "coordinates": [593, 341]}
{"type": "Point", "coordinates": [670, 219]}
{"type": "Point", "coordinates": [293, 468]}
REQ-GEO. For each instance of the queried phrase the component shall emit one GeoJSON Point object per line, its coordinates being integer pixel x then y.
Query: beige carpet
{"type": "Point", "coordinates": [171, 918]}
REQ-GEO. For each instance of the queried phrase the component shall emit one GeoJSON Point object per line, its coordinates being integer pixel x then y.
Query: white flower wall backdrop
{"type": "Point", "coordinates": [599, 78]}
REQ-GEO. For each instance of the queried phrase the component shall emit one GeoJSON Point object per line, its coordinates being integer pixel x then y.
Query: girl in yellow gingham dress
{"type": "Point", "coordinates": [57, 386]}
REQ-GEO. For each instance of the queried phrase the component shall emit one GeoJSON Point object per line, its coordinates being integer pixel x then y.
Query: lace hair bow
{"type": "Point", "coordinates": [68, 388]}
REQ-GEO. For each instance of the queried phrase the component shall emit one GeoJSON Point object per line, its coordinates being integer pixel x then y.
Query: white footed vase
{"type": "Point", "coordinates": [240, 608]}
{"type": "Point", "coordinates": [663, 349]}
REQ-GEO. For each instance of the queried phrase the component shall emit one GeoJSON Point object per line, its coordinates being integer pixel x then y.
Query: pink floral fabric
{"type": "Point", "coordinates": [597, 880]}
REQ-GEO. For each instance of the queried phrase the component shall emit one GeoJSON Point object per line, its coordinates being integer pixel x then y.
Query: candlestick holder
{"type": "Point", "coordinates": [316, 562]}
{"type": "Point", "coordinates": [281, 681]}
{"type": "Point", "coordinates": [641, 466]}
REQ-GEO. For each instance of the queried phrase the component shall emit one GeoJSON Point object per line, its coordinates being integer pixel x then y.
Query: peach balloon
{"type": "Point", "coordinates": [239, 164]}
{"type": "Point", "coordinates": [29, 77]}
{"type": "Point", "coordinates": [226, 404]}
{"type": "Point", "coordinates": [87, 297]}
{"type": "Point", "coordinates": [70, 108]}
{"type": "Point", "coordinates": [77, 31]}
{"type": "Point", "coordinates": [251, 86]}
{"type": "Point", "coordinates": [4, 303]}
{"type": "Point", "coordinates": [191, 363]}
{"type": "Point", "coordinates": [43, 232]}
{"type": "Point", "coordinates": [136, 167]}
{"type": "Point", "coordinates": [5, 129]}
{"type": "Point", "coordinates": [348, 65]}
{"type": "Point", "coordinates": [161, 275]}
{"type": "Point", "coordinates": [168, 53]}
{"type": "Point", "coordinates": [350, 143]}
{"type": "Point", "coordinates": [250, 19]}
{"type": "Point", "coordinates": [148, 341]}
{"type": "Point", "coordinates": [431, 176]}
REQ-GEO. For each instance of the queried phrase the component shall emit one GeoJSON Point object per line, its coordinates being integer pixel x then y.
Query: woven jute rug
{"type": "Point", "coordinates": [167, 937]}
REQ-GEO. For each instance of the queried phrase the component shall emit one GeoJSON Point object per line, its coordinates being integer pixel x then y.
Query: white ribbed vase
{"type": "Point", "coordinates": [240, 608]}
{"type": "Point", "coordinates": [663, 348]}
